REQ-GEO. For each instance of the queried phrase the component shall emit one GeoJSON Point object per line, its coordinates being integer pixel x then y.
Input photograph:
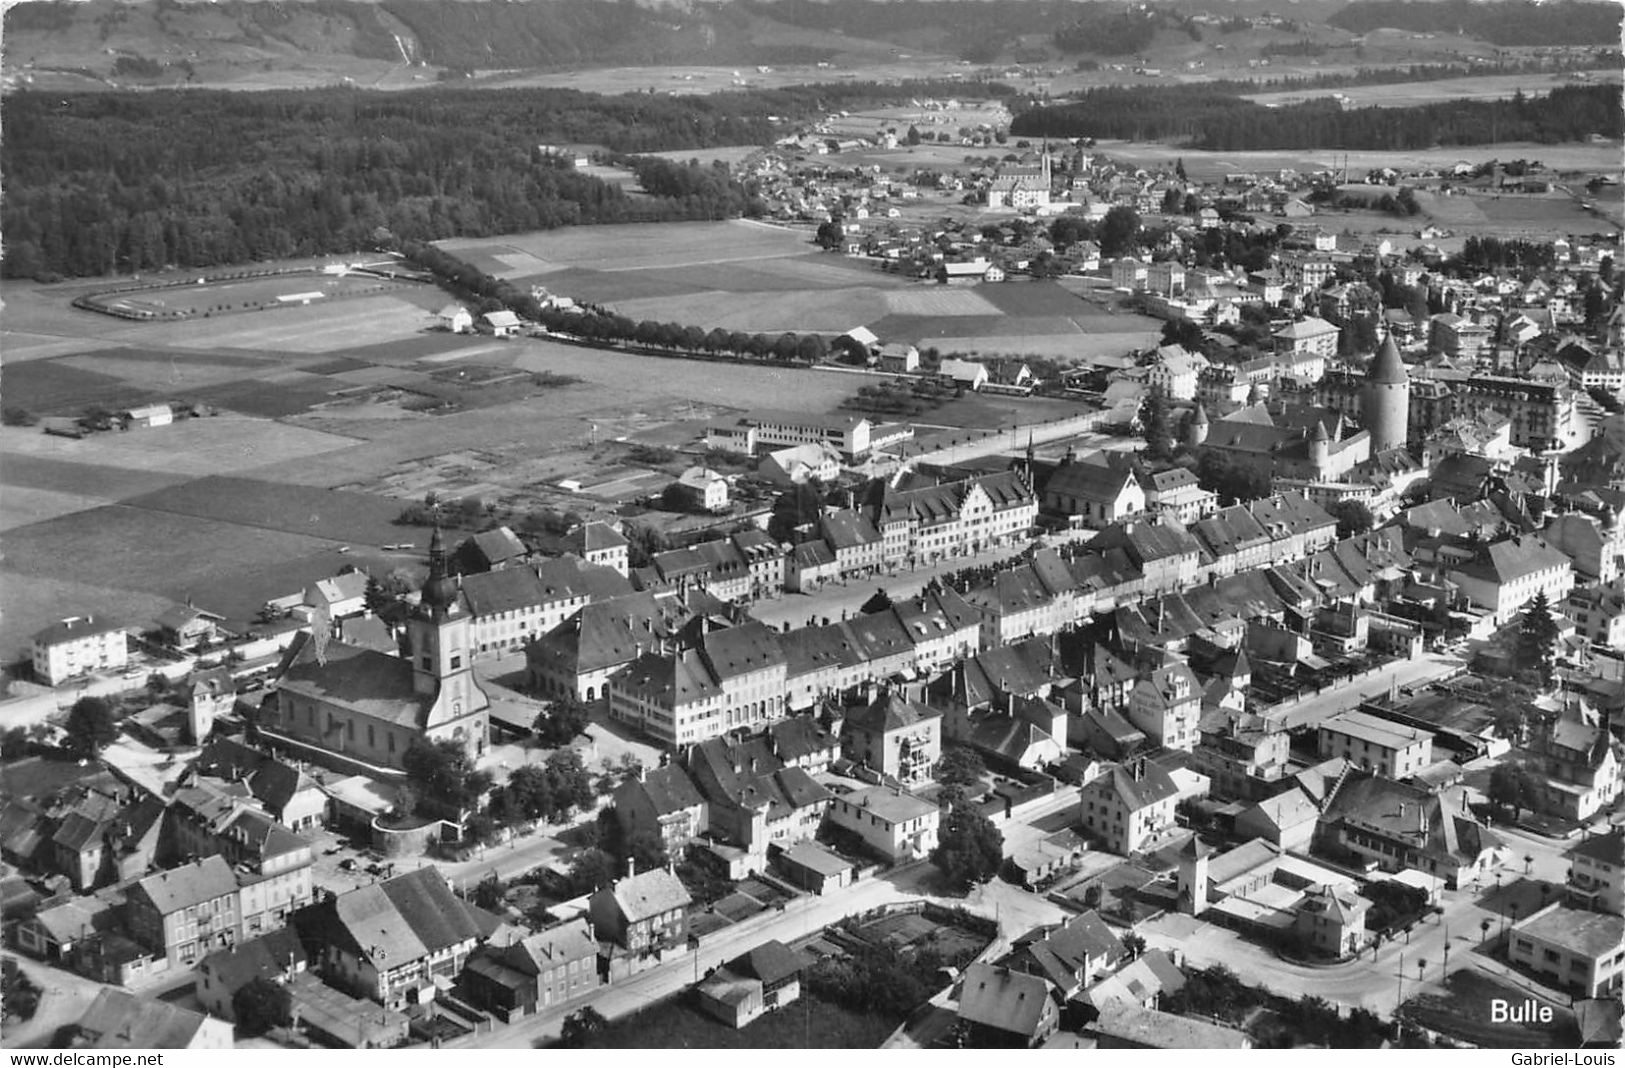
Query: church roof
{"type": "Point", "coordinates": [361, 680]}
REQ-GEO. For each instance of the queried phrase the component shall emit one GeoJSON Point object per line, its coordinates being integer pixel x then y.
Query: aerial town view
{"type": "Point", "coordinates": [758, 524]}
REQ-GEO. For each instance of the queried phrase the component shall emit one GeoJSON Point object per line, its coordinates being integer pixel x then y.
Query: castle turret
{"type": "Point", "coordinates": [1196, 433]}
{"type": "Point", "coordinates": [1386, 406]}
{"type": "Point", "coordinates": [1320, 449]}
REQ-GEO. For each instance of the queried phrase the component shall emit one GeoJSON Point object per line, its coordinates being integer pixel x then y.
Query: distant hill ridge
{"type": "Point", "coordinates": [161, 40]}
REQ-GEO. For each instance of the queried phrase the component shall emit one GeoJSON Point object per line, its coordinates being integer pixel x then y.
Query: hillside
{"type": "Point", "coordinates": [64, 44]}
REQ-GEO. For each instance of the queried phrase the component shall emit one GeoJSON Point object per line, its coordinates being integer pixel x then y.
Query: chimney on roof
{"type": "Point", "coordinates": [631, 867]}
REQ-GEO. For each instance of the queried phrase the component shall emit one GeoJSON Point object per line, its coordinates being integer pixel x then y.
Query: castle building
{"type": "Point", "coordinates": [1387, 399]}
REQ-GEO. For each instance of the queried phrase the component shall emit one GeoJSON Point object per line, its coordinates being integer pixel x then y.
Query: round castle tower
{"type": "Point", "coordinates": [1386, 406]}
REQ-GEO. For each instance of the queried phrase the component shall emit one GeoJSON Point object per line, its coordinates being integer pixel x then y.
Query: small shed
{"type": "Point", "coordinates": [501, 323]}
{"type": "Point", "coordinates": [812, 867]}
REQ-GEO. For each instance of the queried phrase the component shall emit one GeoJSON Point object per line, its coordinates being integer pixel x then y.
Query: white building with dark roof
{"type": "Point", "coordinates": [1597, 872]}
{"type": "Point", "coordinates": [77, 646]}
{"type": "Point", "coordinates": [895, 825]}
{"type": "Point", "coordinates": [1374, 744]}
{"type": "Point", "coordinates": [1129, 807]}
{"type": "Point", "coordinates": [1506, 575]}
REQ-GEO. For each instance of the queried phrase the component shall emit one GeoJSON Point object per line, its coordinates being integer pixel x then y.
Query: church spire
{"type": "Point", "coordinates": [439, 596]}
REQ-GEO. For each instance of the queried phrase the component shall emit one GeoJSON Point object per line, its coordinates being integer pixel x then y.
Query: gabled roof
{"type": "Point", "coordinates": [1004, 1000]}
{"type": "Point", "coordinates": [1088, 481]}
{"type": "Point", "coordinates": [649, 894]}
{"type": "Point", "coordinates": [1507, 561]}
{"type": "Point", "coordinates": [847, 529]}
{"type": "Point", "coordinates": [363, 680]}
{"type": "Point", "coordinates": [668, 790]}
{"type": "Point", "coordinates": [1137, 791]}
{"type": "Point", "coordinates": [330, 591]}
{"type": "Point", "coordinates": [399, 920]}
{"type": "Point", "coordinates": [495, 546]}
{"type": "Point", "coordinates": [889, 712]}
{"type": "Point", "coordinates": [741, 649]}
{"type": "Point", "coordinates": [118, 1019]}
{"type": "Point", "coordinates": [188, 885]}
{"type": "Point", "coordinates": [771, 962]}
{"type": "Point", "coordinates": [268, 956]}
{"type": "Point", "coordinates": [73, 629]}
{"type": "Point", "coordinates": [1605, 848]}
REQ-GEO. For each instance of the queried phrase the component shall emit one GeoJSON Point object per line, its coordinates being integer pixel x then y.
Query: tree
{"type": "Point", "coordinates": [647, 851]}
{"type": "Point", "coordinates": [375, 598]}
{"type": "Point", "coordinates": [1135, 944]}
{"type": "Point", "coordinates": [593, 869]}
{"type": "Point", "coordinates": [527, 795]}
{"type": "Point", "coordinates": [569, 782]}
{"type": "Point", "coordinates": [1182, 332]}
{"type": "Point", "coordinates": [913, 136]}
{"type": "Point", "coordinates": [563, 719]}
{"type": "Point", "coordinates": [1510, 788]}
{"type": "Point", "coordinates": [259, 1005]}
{"type": "Point", "coordinates": [581, 1027]}
{"type": "Point", "coordinates": [959, 766]}
{"type": "Point", "coordinates": [1158, 425]}
{"type": "Point", "coordinates": [91, 726]}
{"type": "Point", "coordinates": [13, 743]}
{"type": "Point", "coordinates": [444, 771]}
{"type": "Point", "coordinates": [1118, 231]}
{"type": "Point", "coordinates": [1537, 640]}
{"type": "Point", "coordinates": [12, 415]}
{"type": "Point", "coordinates": [969, 848]}
{"type": "Point", "coordinates": [1352, 516]}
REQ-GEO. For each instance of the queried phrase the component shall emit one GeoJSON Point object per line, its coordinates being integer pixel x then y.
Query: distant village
{"type": "Point", "coordinates": [1309, 625]}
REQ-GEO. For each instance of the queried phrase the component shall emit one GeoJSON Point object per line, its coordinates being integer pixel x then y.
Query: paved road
{"type": "Point", "coordinates": [842, 599]}
{"type": "Point", "coordinates": [1346, 695]}
{"type": "Point", "coordinates": [1380, 979]}
{"type": "Point", "coordinates": [1016, 910]}
{"type": "Point", "coordinates": [799, 919]}
{"type": "Point", "coordinates": [63, 1000]}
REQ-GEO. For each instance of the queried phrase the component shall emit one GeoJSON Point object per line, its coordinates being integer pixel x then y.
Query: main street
{"type": "Point", "coordinates": [841, 600]}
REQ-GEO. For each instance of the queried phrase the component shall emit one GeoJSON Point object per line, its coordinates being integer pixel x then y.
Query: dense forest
{"type": "Point", "coordinates": [1106, 30]}
{"type": "Point", "coordinates": [129, 182]}
{"type": "Point", "coordinates": [1507, 23]}
{"type": "Point", "coordinates": [1201, 116]}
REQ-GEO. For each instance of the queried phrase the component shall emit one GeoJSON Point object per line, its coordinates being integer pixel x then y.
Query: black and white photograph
{"type": "Point", "coordinates": [737, 525]}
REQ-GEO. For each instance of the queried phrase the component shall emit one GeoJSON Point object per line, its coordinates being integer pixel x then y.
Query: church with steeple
{"type": "Point", "coordinates": [360, 710]}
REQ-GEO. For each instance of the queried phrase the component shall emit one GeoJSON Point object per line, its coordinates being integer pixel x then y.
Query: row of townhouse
{"type": "Point", "coordinates": [710, 680]}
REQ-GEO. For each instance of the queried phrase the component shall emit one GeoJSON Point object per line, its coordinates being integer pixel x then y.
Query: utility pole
{"type": "Point", "coordinates": [1400, 1000]}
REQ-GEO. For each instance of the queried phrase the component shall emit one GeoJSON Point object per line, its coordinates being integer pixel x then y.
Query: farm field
{"type": "Point", "coordinates": [773, 282]}
{"type": "Point", "coordinates": [1602, 158]}
{"type": "Point", "coordinates": [238, 507]}
{"type": "Point", "coordinates": [641, 246]}
{"type": "Point", "coordinates": [1411, 94]}
{"type": "Point", "coordinates": [323, 513]}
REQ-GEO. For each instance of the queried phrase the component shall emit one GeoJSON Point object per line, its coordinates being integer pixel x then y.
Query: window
{"type": "Point", "coordinates": [456, 662]}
